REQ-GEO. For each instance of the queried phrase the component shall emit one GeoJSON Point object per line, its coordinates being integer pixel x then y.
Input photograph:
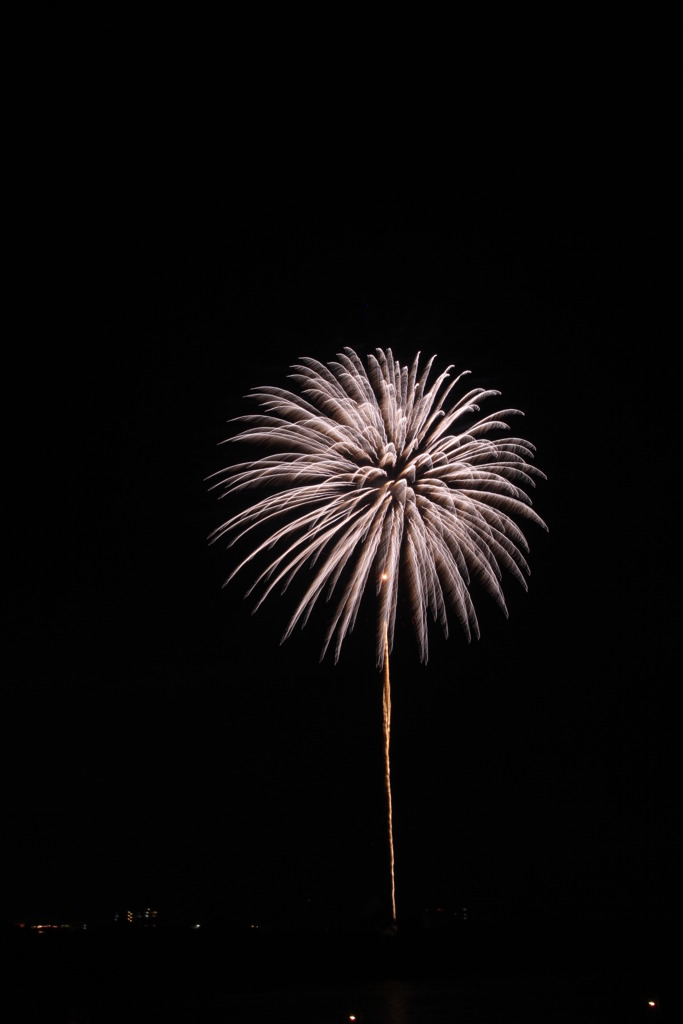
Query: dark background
{"type": "Point", "coordinates": [160, 748]}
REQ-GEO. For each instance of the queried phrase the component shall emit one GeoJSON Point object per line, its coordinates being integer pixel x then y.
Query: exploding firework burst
{"type": "Point", "coordinates": [375, 481]}
{"type": "Point", "coordinates": [377, 478]}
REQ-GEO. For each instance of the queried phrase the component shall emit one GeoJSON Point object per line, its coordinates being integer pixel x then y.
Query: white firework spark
{"type": "Point", "coordinates": [374, 480]}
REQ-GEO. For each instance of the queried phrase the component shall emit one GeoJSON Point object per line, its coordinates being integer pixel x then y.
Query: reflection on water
{"type": "Point", "coordinates": [76, 979]}
{"type": "Point", "coordinates": [396, 1001]}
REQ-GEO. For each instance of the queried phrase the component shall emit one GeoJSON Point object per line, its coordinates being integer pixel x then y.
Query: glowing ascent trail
{"type": "Point", "coordinates": [386, 707]}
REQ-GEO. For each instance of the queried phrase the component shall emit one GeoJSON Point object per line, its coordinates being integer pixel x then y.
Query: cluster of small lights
{"type": "Point", "coordinates": [66, 926]}
{"type": "Point", "coordinates": [139, 915]}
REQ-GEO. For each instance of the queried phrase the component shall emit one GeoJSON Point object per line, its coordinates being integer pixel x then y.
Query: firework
{"type": "Point", "coordinates": [377, 479]}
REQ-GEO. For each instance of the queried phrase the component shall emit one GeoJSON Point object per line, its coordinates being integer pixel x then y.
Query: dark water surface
{"type": "Point", "coordinates": [85, 978]}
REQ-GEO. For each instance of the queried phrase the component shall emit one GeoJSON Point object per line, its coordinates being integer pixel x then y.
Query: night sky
{"type": "Point", "coordinates": [160, 747]}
